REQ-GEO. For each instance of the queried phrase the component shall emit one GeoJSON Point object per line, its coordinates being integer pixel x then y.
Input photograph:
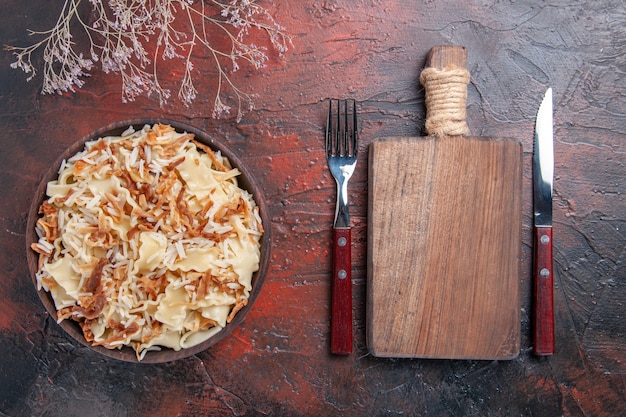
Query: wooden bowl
{"type": "Point", "coordinates": [245, 180]}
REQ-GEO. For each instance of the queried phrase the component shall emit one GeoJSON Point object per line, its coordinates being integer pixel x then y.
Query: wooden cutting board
{"type": "Point", "coordinates": [444, 242]}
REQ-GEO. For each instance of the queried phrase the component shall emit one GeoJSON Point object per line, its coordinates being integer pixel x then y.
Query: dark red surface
{"type": "Point", "coordinates": [341, 298]}
{"type": "Point", "coordinates": [277, 362]}
{"type": "Point", "coordinates": [543, 296]}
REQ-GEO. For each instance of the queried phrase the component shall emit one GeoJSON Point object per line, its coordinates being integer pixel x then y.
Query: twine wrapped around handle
{"type": "Point", "coordinates": [446, 95]}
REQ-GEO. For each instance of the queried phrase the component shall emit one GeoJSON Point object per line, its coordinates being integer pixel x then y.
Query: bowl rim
{"type": "Point", "coordinates": [246, 181]}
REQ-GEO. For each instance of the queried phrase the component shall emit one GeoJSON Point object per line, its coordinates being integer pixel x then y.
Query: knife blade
{"type": "Point", "coordinates": [543, 173]}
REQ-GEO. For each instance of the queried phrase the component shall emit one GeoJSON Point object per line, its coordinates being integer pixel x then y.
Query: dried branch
{"type": "Point", "coordinates": [131, 37]}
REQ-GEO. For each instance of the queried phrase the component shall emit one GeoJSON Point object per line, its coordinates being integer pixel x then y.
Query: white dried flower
{"type": "Point", "coordinates": [121, 31]}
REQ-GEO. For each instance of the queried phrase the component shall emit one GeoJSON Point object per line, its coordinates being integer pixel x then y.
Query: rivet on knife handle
{"type": "Point", "coordinates": [341, 150]}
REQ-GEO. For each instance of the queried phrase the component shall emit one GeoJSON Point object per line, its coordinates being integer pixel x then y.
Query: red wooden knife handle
{"type": "Point", "coordinates": [341, 309]}
{"type": "Point", "coordinates": [543, 336]}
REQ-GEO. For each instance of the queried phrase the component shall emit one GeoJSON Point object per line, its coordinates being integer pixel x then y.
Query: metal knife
{"type": "Point", "coordinates": [543, 174]}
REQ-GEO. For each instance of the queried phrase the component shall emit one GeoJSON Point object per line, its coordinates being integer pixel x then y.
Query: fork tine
{"type": "Point", "coordinates": [355, 146]}
{"type": "Point", "coordinates": [338, 130]}
{"type": "Point", "coordinates": [329, 139]}
{"type": "Point", "coordinates": [346, 128]}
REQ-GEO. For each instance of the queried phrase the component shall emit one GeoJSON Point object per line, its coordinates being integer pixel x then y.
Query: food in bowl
{"type": "Point", "coordinates": [147, 241]}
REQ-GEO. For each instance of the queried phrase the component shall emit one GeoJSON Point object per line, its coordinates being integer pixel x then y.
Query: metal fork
{"type": "Point", "coordinates": [341, 153]}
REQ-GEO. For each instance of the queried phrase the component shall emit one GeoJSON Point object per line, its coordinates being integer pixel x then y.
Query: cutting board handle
{"type": "Point", "coordinates": [445, 80]}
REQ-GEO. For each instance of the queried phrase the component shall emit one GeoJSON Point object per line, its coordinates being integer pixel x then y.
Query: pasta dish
{"type": "Point", "coordinates": [147, 241]}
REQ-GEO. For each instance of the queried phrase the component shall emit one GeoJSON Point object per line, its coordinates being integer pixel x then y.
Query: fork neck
{"type": "Point", "coordinates": [342, 220]}
{"type": "Point", "coordinates": [342, 214]}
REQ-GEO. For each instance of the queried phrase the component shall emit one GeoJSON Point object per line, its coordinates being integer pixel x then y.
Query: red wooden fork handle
{"type": "Point", "coordinates": [341, 309]}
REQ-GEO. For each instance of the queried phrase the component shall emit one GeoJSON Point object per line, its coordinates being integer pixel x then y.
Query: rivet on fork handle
{"type": "Point", "coordinates": [341, 152]}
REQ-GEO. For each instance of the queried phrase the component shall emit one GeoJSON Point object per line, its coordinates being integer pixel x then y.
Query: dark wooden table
{"type": "Point", "coordinates": [277, 362]}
